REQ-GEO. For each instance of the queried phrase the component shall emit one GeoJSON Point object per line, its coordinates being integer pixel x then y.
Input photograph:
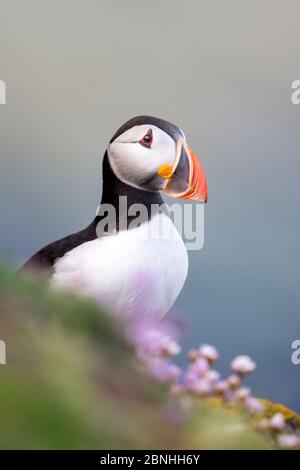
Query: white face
{"type": "Point", "coordinates": [135, 161]}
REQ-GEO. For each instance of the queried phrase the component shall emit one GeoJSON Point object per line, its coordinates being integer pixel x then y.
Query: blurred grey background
{"type": "Point", "coordinates": [75, 70]}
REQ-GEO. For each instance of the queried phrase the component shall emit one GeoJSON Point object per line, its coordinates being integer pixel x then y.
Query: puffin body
{"type": "Point", "coordinates": [131, 259]}
{"type": "Point", "coordinates": [129, 273]}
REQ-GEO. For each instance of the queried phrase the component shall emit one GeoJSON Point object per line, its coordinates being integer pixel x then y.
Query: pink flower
{"type": "Point", "coordinates": [212, 375]}
{"type": "Point", "coordinates": [201, 387]}
{"type": "Point", "coordinates": [157, 344]}
{"type": "Point", "coordinates": [221, 386]}
{"type": "Point", "coordinates": [173, 372]}
{"type": "Point", "coordinates": [253, 404]}
{"type": "Point", "coordinates": [277, 422]}
{"type": "Point", "coordinates": [193, 354]}
{"type": "Point", "coordinates": [163, 370]}
{"type": "Point", "coordinates": [190, 377]}
{"type": "Point", "coordinates": [289, 441]}
{"type": "Point", "coordinates": [200, 366]}
{"type": "Point", "coordinates": [242, 365]}
{"type": "Point", "coordinates": [242, 393]}
{"type": "Point", "coordinates": [233, 381]}
{"type": "Point", "coordinates": [209, 353]}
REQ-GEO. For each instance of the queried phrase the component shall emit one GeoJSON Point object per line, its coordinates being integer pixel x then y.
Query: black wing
{"type": "Point", "coordinates": [45, 258]}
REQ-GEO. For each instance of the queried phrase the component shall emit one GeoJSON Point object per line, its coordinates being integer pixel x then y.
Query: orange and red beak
{"type": "Point", "coordinates": [187, 179]}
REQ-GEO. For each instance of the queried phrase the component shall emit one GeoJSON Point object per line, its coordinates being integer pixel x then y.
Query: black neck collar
{"type": "Point", "coordinates": [113, 188]}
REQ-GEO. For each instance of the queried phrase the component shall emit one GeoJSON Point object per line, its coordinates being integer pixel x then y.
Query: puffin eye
{"type": "Point", "coordinates": [147, 140]}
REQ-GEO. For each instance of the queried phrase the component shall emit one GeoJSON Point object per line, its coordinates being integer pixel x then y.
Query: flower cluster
{"type": "Point", "coordinates": [155, 351]}
{"type": "Point", "coordinates": [286, 437]}
{"type": "Point", "coordinates": [202, 380]}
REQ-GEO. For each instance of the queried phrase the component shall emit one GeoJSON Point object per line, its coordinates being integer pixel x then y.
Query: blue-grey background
{"type": "Point", "coordinates": [76, 70]}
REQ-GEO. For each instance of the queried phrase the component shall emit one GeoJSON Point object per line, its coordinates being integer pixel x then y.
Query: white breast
{"type": "Point", "coordinates": [136, 272]}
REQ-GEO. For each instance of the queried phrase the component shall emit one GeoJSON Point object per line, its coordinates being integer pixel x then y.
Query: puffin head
{"type": "Point", "coordinates": [152, 154]}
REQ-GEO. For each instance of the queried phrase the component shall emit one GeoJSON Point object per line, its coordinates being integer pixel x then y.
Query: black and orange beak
{"type": "Point", "coordinates": [186, 179]}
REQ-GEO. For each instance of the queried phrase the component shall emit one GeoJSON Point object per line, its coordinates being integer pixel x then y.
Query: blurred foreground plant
{"type": "Point", "coordinates": [72, 382]}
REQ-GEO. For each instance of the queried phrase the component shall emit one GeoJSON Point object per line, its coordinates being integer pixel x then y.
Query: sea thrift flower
{"type": "Point", "coordinates": [212, 375]}
{"type": "Point", "coordinates": [242, 393]}
{"type": "Point", "coordinates": [200, 366]}
{"type": "Point", "coordinates": [163, 370]}
{"type": "Point", "coordinates": [242, 365]}
{"type": "Point", "coordinates": [253, 404]}
{"type": "Point", "coordinates": [221, 386]}
{"type": "Point", "coordinates": [156, 344]}
{"type": "Point", "coordinates": [172, 348]}
{"type": "Point", "coordinates": [277, 422]}
{"type": "Point", "coordinates": [289, 441]}
{"type": "Point", "coordinates": [189, 379]}
{"type": "Point", "coordinates": [229, 395]}
{"type": "Point", "coordinates": [173, 372]}
{"type": "Point", "coordinates": [209, 353]}
{"type": "Point", "coordinates": [233, 381]}
{"type": "Point", "coordinates": [196, 371]}
{"type": "Point", "coordinates": [201, 387]}
{"type": "Point", "coordinates": [193, 354]}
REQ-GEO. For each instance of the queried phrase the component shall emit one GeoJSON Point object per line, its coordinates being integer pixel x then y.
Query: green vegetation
{"type": "Point", "coordinates": [71, 382]}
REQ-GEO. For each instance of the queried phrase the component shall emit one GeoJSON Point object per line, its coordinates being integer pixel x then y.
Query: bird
{"type": "Point", "coordinates": [113, 260]}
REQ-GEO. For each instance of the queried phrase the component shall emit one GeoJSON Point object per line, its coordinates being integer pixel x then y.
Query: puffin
{"type": "Point", "coordinates": [131, 259]}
